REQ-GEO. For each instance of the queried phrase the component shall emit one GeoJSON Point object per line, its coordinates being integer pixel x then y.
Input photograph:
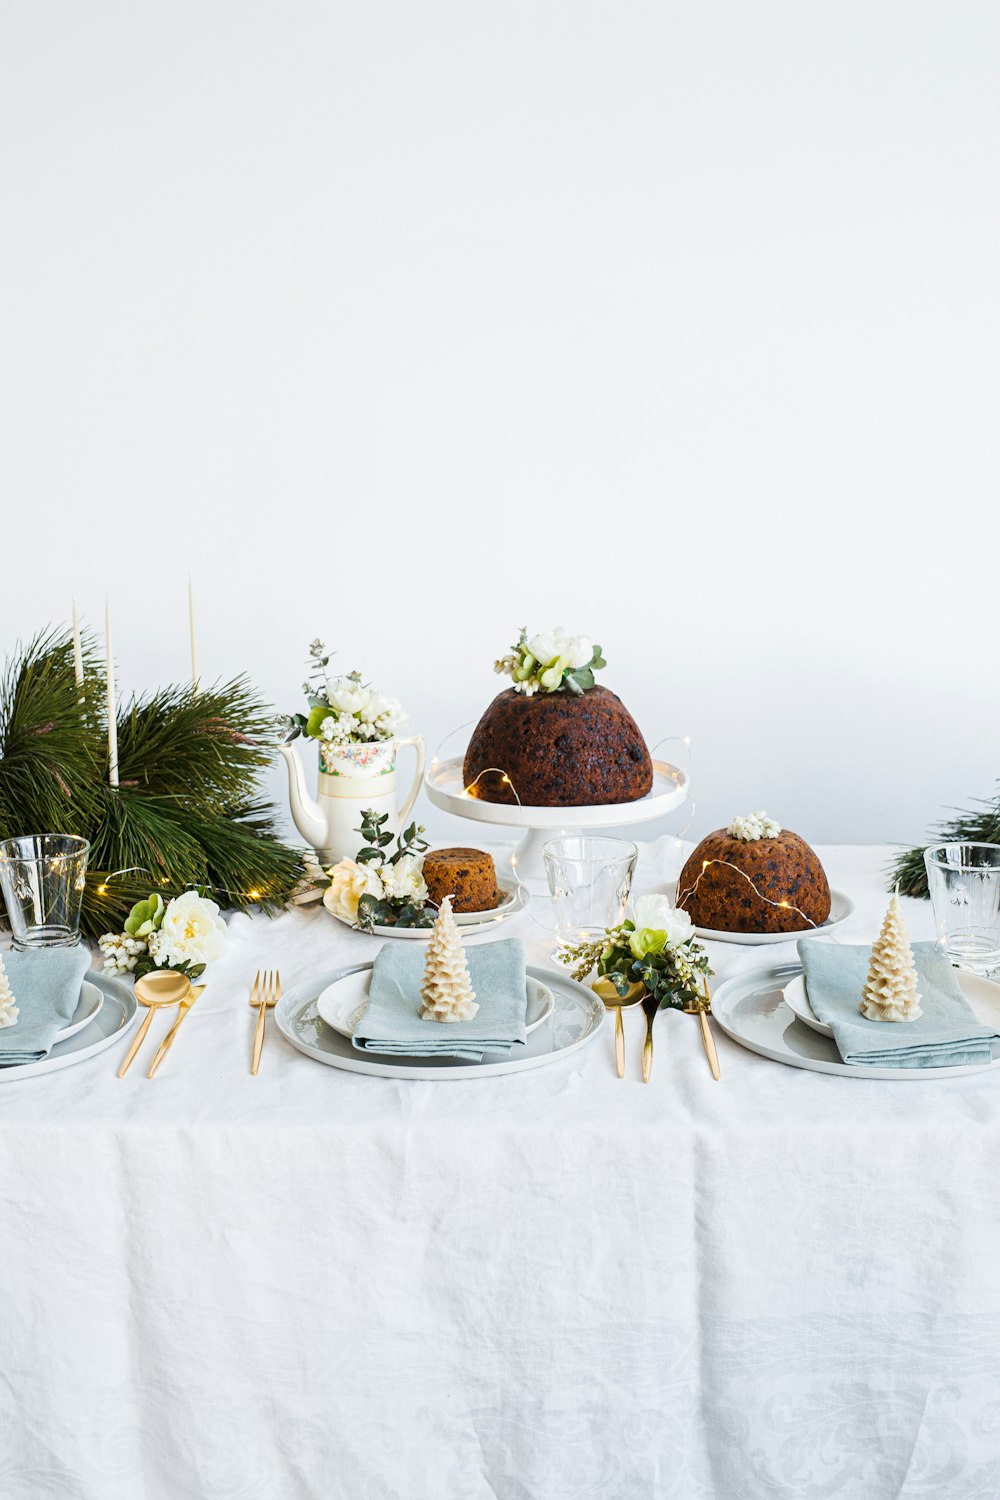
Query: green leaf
{"type": "Point", "coordinates": [366, 856]}
{"type": "Point", "coordinates": [316, 716]}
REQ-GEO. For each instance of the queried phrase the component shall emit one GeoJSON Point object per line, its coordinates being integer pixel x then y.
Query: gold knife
{"type": "Point", "coordinates": [650, 1006]}
{"type": "Point", "coordinates": [706, 1034]}
{"type": "Point", "coordinates": [167, 1042]}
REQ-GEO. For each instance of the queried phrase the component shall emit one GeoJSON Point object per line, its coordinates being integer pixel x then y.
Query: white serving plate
{"type": "Point", "coordinates": [751, 1009]}
{"type": "Point", "coordinates": [841, 907]}
{"type": "Point", "coordinates": [446, 789]}
{"type": "Point", "coordinates": [87, 1008]}
{"type": "Point", "coordinates": [575, 1021]}
{"type": "Point", "coordinates": [515, 900]}
{"type": "Point", "coordinates": [111, 1021]}
{"type": "Point", "coordinates": [343, 1003]}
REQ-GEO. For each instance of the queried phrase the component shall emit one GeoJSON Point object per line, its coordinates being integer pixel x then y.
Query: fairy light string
{"type": "Point", "coordinates": [706, 865]}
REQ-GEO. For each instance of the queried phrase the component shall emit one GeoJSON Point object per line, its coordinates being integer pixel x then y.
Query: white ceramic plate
{"type": "Point", "coordinates": [576, 1019]}
{"type": "Point", "coordinates": [446, 789]}
{"type": "Point", "coordinates": [796, 997]}
{"type": "Point", "coordinates": [751, 1009]}
{"type": "Point", "coordinates": [841, 907]}
{"type": "Point", "coordinates": [112, 1021]}
{"type": "Point", "coordinates": [342, 1004]}
{"type": "Point", "coordinates": [515, 900]}
{"type": "Point", "coordinates": [87, 1008]}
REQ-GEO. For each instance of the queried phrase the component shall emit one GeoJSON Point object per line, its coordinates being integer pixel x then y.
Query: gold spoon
{"type": "Point", "coordinates": [162, 988]}
{"type": "Point", "coordinates": [605, 990]}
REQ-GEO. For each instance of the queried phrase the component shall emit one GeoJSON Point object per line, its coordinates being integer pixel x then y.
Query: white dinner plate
{"type": "Point", "coordinates": [797, 999]}
{"type": "Point", "coordinates": [87, 1008]}
{"type": "Point", "coordinates": [343, 1003]}
{"type": "Point", "coordinates": [515, 899]}
{"type": "Point", "coordinates": [841, 907]}
{"type": "Point", "coordinates": [111, 1022]}
{"type": "Point", "coordinates": [576, 1019]}
{"type": "Point", "coordinates": [751, 1009]}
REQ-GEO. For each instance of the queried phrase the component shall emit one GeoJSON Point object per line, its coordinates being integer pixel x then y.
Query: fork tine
{"type": "Point", "coordinates": [277, 988]}
{"type": "Point", "coordinates": [256, 986]}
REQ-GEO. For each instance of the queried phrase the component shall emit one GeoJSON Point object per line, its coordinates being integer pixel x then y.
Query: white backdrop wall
{"type": "Point", "coordinates": [406, 324]}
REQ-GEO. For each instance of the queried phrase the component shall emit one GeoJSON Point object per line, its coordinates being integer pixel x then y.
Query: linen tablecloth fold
{"type": "Point", "coordinates": [946, 1035]}
{"type": "Point", "coordinates": [392, 1023]}
{"type": "Point", "coordinates": [46, 986]}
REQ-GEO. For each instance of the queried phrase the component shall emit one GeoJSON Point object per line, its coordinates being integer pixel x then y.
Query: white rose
{"type": "Point", "coordinates": [404, 881]}
{"type": "Point", "coordinates": [349, 881]}
{"type": "Point", "coordinates": [550, 645]}
{"type": "Point", "coordinates": [656, 913]}
{"type": "Point", "coordinates": [346, 696]}
{"type": "Point", "coordinates": [192, 932]}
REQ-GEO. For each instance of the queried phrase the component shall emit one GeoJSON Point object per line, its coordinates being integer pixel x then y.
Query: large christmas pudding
{"type": "Point", "coordinates": [555, 739]}
{"type": "Point", "coordinates": [754, 876]}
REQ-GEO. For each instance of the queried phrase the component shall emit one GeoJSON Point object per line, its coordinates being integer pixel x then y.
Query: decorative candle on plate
{"type": "Point", "coordinates": [8, 1010]}
{"type": "Point", "coordinates": [446, 989]}
{"type": "Point", "coordinates": [109, 668]}
{"type": "Point", "coordinates": [77, 649]}
{"type": "Point", "coordinates": [890, 992]}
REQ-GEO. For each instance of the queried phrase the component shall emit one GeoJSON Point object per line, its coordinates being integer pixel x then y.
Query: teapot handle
{"type": "Point", "coordinates": [418, 775]}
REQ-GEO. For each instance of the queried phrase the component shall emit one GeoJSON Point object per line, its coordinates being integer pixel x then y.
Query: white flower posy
{"type": "Point", "coordinates": [192, 932]}
{"type": "Point", "coordinates": [349, 881]}
{"type": "Point", "coordinates": [345, 710]}
{"type": "Point", "coordinates": [756, 825]}
{"type": "Point", "coordinates": [551, 660]}
{"type": "Point", "coordinates": [655, 912]}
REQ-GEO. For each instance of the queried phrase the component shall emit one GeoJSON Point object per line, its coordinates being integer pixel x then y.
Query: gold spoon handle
{"type": "Point", "coordinates": [647, 1051]}
{"type": "Point", "coordinates": [168, 1040]}
{"type": "Point", "coordinates": [710, 1049]}
{"type": "Point", "coordinates": [619, 1043]}
{"type": "Point", "coordinates": [258, 1037]}
{"type": "Point", "coordinates": [137, 1042]}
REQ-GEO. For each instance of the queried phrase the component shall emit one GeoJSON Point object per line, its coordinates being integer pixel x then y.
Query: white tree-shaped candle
{"type": "Point", "coordinates": [446, 989]}
{"type": "Point", "coordinates": [890, 992]}
{"type": "Point", "coordinates": [8, 1010]}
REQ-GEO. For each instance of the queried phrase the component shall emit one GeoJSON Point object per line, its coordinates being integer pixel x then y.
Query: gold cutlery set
{"type": "Point", "coordinates": [636, 995]}
{"type": "Point", "coordinates": [165, 988]}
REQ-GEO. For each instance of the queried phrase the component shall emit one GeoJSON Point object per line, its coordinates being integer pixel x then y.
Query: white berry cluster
{"type": "Point", "coordinates": [121, 952]}
{"type": "Point", "coordinates": [756, 825]}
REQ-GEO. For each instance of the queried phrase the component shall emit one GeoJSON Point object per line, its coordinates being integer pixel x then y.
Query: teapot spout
{"type": "Point", "coordinates": [306, 813]}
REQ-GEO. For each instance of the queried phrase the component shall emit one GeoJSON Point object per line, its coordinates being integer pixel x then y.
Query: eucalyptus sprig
{"type": "Point", "coordinates": [657, 950]}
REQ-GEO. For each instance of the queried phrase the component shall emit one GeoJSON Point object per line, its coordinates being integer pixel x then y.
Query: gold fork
{"type": "Point", "coordinates": [265, 995]}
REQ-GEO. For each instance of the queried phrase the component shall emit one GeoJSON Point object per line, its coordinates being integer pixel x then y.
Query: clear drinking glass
{"type": "Point", "coordinates": [589, 879]}
{"type": "Point", "coordinates": [42, 878]}
{"type": "Point", "coordinates": [964, 882]}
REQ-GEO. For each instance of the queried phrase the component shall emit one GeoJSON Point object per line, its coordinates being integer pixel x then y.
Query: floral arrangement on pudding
{"type": "Point", "coordinates": [655, 950]}
{"type": "Point", "coordinates": [382, 886]}
{"type": "Point", "coordinates": [343, 710]}
{"type": "Point", "coordinates": [184, 934]}
{"type": "Point", "coordinates": [556, 738]}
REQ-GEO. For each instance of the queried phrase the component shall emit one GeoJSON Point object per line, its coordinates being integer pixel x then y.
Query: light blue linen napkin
{"type": "Point", "coordinates": [46, 984]}
{"type": "Point", "coordinates": [392, 1024]}
{"type": "Point", "coordinates": [946, 1035]}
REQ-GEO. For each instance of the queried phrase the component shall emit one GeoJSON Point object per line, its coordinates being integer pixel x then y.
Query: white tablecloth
{"type": "Point", "coordinates": [556, 1285]}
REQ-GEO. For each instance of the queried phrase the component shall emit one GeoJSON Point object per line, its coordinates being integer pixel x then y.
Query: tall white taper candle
{"type": "Point", "coordinates": [109, 669]}
{"type": "Point", "coordinates": [194, 638]}
{"type": "Point", "coordinates": [77, 649]}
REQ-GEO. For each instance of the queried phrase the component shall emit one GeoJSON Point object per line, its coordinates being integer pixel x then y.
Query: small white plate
{"type": "Point", "coordinates": [841, 907]}
{"type": "Point", "coordinates": [110, 1023]}
{"type": "Point", "coordinates": [341, 1005]}
{"type": "Point", "coordinates": [750, 1009]}
{"type": "Point", "coordinates": [515, 899]}
{"type": "Point", "coordinates": [796, 997]}
{"type": "Point", "coordinates": [87, 1009]}
{"type": "Point", "coordinates": [575, 1022]}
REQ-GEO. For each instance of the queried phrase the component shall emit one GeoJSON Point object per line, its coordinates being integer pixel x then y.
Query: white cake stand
{"type": "Point", "coordinates": [446, 789]}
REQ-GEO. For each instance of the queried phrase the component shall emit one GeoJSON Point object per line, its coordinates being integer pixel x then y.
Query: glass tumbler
{"type": "Point", "coordinates": [964, 883]}
{"type": "Point", "coordinates": [589, 878]}
{"type": "Point", "coordinates": [42, 877]}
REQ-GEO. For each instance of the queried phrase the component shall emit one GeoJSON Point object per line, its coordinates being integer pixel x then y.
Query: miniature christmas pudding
{"type": "Point", "coordinates": [555, 739]}
{"type": "Point", "coordinates": [468, 876]}
{"type": "Point", "coordinates": [754, 876]}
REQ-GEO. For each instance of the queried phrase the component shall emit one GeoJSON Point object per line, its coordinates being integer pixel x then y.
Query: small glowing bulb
{"type": "Point", "coordinates": [102, 890]}
{"type": "Point", "coordinates": [687, 741]}
{"type": "Point", "coordinates": [782, 903]}
{"type": "Point", "coordinates": [253, 895]}
{"type": "Point", "coordinates": [505, 779]}
{"type": "Point", "coordinates": [705, 864]}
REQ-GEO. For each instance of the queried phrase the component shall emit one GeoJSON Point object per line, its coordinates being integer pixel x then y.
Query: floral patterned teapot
{"type": "Point", "coordinates": [355, 727]}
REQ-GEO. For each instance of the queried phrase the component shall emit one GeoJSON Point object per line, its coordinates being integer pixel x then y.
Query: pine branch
{"type": "Point", "coordinates": [981, 827]}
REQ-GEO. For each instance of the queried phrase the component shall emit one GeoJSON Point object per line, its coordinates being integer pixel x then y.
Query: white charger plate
{"type": "Point", "coordinates": [112, 1020]}
{"type": "Point", "coordinates": [343, 1003]}
{"type": "Point", "coordinates": [515, 900]}
{"type": "Point", "coordinates": [841, 907]}
{"type": "Point", "coordinates": [87, 1008]}
{"type": "Point", "coordinates": [751, 1010]}
{"type": "Point", "coordinates": [576, 1019]}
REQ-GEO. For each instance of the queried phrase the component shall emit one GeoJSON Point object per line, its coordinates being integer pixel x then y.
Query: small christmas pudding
{"type": "Point", "coordinates": [468, 876]}
{"type": "Point", "coordinates": [555, 739]}
{"type": "Point", "coordinates": [754, 876]}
